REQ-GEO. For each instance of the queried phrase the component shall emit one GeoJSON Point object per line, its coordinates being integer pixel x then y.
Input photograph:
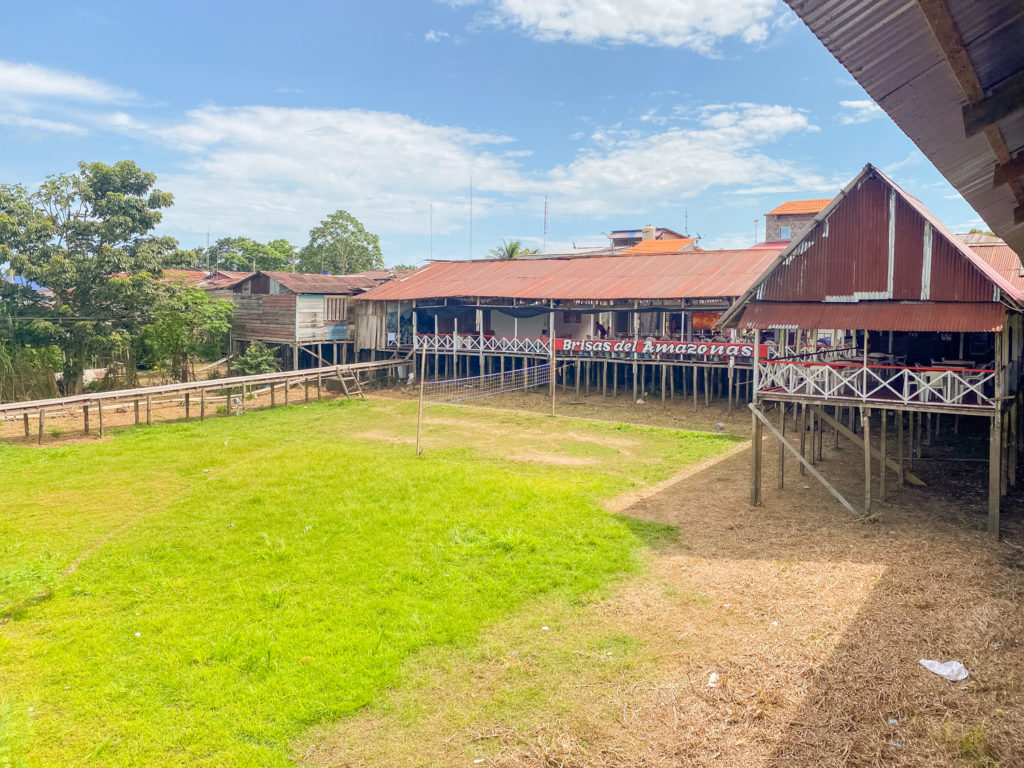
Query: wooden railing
{"type": "Point", "coordinates": [971, 388]}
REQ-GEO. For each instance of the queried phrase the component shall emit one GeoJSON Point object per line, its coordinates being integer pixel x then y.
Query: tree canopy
{"type": "Point", "coordinates": [243, 254]}
{"type": "Point", "coordinates": [341, 245]}
{"type": "Point", "coordinates": [512, 249]}
{"type": "Point", "coordinates": [86, 237]}
{"type": "Point", "coordinates": [186, 324]}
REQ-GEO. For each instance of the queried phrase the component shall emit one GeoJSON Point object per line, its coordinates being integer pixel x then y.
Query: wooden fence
{"type": "Point", "coordinates": [145, 396]}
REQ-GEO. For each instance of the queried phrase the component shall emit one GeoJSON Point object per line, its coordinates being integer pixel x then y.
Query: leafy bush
{"type": "Point", "coordinates": [257, 358]}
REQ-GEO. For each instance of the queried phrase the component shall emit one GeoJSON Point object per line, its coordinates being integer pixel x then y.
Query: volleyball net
{"type": "Point", "coordinates": [487, 385]}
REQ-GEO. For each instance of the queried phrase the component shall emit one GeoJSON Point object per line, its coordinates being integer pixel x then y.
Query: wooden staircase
{"type": "Point", "coordinates": [351, 385]}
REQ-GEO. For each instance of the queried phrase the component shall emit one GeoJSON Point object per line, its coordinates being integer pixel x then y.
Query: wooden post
{"type": "Point", "coordinates": [42, 421]}
{"type": "Point", "coordinates": [287, 391]}
{"type": "Point", "coordinates": [319, 377]}
{"type": "Point", "coordinates": [85, 417]}
{"type": "Point", "coordinates": [803, 434]}
{"type": "Point", "coordinates": [228, 405]}
{"type": "Point", "coordinates": [604, 379]}
{"type": "Point", "coordinates": [305, 387]}
{"type": "Point", "coordinates": [782, 450]}
{"type": "Point", "coordinates": [881, 464]}
{"type": "Point", "coordinates": [695, 388]}
{"type": "Point", "coordinates": [24, 418]}
{"type": "Point", "coordinates": [419, 415]}
{"type": "Point", "coordinates": [552, 364]}
{"type": "Point", "coordinates": [994, 453]}
{"type": "Point", "coordinates": [707, 387]}
{"type": "Point", "coordinates": [664, 375]}
{"type": "Point", "coordinates": [136, 412]}
{"type": "Point", "coordinates": [577, 379]}
{"type": "Point", "coordinates": [755, 455]}
{"type": "Point", "coordinates": [731, 382]}
{"type": "Point", "coordinates": [634, 380]}
{"type": "Point", "coordinates": [858, 440]}
{"type": "Point", "coordinates": [901, 448]}
{"type": "Point", "coordinates": [273, 392]}
{"type": "Point", "coordinates": [865, 423]}
{"type": "Point", "coordinates": [188, 405]}
{"type": "Point", "coordinates": [99, 416]}
{"type": "Point", "coordinates": [149, 409]}
{"type": "Point", "coordinates": [202, 404]}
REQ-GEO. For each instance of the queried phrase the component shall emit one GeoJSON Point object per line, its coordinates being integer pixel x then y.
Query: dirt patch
{"type": "Point", "coordinates": [387, 437]}
{"type": "Point", "coordinates": [556, 459]}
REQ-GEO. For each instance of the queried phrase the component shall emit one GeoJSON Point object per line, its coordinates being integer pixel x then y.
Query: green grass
{"type": "Point", "coordinates": [240, 580]}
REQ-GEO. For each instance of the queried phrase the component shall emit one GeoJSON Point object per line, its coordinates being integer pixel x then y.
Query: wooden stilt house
{"type": "Point", "coordinates": [921, 323]}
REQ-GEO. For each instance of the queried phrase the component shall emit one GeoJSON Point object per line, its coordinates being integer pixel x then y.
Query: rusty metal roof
{"type": "Point", "coordinates": [1002, 258]}
{"type": "Point", "coordinates": [874, 242]}
{"type": "Point", "coordinates": [921, 316]}
{"type": "Point", "coordinates": [888, 46]}
{"type": "Point", "coordinates": [799, 206]}
{"type": "Point", "coordinates": [297, 282]}
{"type": "Point", "coordinates": [693, 274]}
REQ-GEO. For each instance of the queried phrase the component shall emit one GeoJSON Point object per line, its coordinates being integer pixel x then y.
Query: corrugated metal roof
{"type": "Point", "coordinates": [186, 276]}
{"type": "Point", "coordinates": [921, 316]}
{"type": "Point", "coordinates": [889, 48]}
{"type": "Point", "coordinates": [297, 282]}
{"type": "Point", "coordinates": [979, 238]}
{"type": "Point", "coordinates": [844, 255]}
{"type": "Point", "coordinates": [696, 274]}
{"type": "Point", "coordinates": [800, 206]}
{"type": "Point", "coordinates": [1002, 258]}
{"type": "Point", "coordinates": [673, 245]}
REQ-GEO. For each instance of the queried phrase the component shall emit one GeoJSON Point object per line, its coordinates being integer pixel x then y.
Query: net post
{"type": "Point", "coordinates": [419, 417]}
{"type": "Point", "coordinates": [551, 366]}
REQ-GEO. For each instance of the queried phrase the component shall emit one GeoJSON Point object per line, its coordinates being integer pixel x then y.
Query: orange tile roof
{"type": "Point", "coordinates": [675, 245]}
{"type": "Point", "coordinates": [800, 206]}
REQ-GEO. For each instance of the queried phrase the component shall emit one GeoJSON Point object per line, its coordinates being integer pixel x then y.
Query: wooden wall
{"type": "Point", "coordinates": [264, 318]}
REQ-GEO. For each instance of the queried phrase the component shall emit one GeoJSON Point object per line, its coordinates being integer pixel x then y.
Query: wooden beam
{"type": "Point", "coordinates": [1001, 101]}
{"type": "Point", "coordinates": [1004, 173]}
{"type": "Point", "coordinates": [756, 453]}
{"type": "Point", "coordinates": [910, 476]}
{"type": "Point", "coordinates": [994, 454]}
{"type": "Point", "coordinates": [760, 418]}
{"type": "Point", "coordinates": [865, 422]}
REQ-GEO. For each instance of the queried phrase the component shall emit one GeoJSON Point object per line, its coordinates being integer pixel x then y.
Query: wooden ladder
{"type": "Point", "coordinates": [350, 384]}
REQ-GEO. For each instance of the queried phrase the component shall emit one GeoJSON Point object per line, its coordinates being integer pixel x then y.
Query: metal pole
{"type": "Point", "coordinates": [551, 363]}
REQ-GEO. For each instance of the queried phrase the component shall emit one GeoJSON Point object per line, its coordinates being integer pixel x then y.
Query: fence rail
{"type": "Point", "coordinates": [120, 395]}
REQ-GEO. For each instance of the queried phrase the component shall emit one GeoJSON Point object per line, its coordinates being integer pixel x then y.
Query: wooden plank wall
{"type": "Point", "coordinates": [264, 318]}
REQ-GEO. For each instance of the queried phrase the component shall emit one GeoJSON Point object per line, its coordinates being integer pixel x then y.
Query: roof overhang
{"type": "Point", "coordinates": [923, 317]}
{"type": "Point", "coordinates": [950, 73]}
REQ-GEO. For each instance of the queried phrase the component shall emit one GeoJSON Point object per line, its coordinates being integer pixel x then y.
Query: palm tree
{"type": "Point", "coordinates": [511, 249]}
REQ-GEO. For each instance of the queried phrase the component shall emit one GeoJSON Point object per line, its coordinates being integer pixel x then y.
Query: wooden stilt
{"type": "Point", "coordinates": [604, 379]}
{"type": "Point", "coordinates": [757, 419]}
{"type": "Point", "coordinates": [994, 452]}
{"type": "Point", "coordinates": [24, 418]}
{"type": "Point", "coordinates": [273, 394]}
{"type": "Point", "coordinates": [900, 448]}
{"type": "Point", "coordinates": [202, 405]}
{"type": "Point", "coordinates": [859, 441]}
{"type": "Point", "coordinates": [695, 389]}
{"type": "Point", "coordinates": [136, 413]}
{"type": "Point", "coordinates": [782, 451]}
{"type": "Point", "coordinates": [149, 409]}
{"type": "Point", "coordinates": [85, 417]}
{"type": "Point", "coordinates": [99, 415]}
{"type": "Point", "coordinates": [707, 394]}
{"type": "Point", "coordinates": [881, 449]}
{"type": "Point", "coordinates": [664, 374]}
{"type": "Point", "coordinates": [865, 423]}
{"type": "Point", "coordinates": [42, 422]}
{"type": "Point", "coordinates": [634, 381]}
{"type": "Point", "coordinates": [803, 434]}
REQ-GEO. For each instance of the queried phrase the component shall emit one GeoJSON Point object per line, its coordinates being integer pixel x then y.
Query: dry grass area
{"type": "Point", "coordinates": [783, 635]}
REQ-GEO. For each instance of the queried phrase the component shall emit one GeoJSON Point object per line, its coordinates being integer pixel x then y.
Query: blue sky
{"type": "Point", "coordinates": [261, 118]}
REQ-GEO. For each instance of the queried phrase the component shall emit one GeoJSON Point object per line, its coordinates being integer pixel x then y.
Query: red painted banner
{"type": "Point", "coordinates": [654, 347]}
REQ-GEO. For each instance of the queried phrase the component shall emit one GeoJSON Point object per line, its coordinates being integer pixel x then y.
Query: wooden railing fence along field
{"type": "Point", "coordinates": [183, 393]}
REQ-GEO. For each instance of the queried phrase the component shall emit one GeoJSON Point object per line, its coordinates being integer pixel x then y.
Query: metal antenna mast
{"type": "Point", "coordinates": [545, 222]}
{"type": "Point", "coordinates": [471, 216]}
{"type": "Point", "coordinates": [431, 230]}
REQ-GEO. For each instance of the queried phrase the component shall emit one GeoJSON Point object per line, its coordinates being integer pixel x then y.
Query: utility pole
{"type": "Point", "coordinates": [471, 216]}
{"type": "Point", "coordinates": [545, 222]}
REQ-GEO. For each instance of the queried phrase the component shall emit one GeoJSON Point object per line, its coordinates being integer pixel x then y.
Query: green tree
{"type": "Point", "coordinates": [341, 245]}
{"type": "Point", "coordinates": [511, 249]}
{"type": "Point", "coordinates": [243, 254]}
{"type": "Point", "coordinates": [257, 358]}
{"type": "Point", "coordinates": [85, 236]}
{"type": "Point", "coordinates": [187, 324]}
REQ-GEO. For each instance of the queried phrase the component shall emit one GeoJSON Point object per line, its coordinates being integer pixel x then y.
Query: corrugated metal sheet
{"type": "Point", "coordinates": [1003, 260]}
{"type": "Point", "coordinates": [327, 284]}
{"type": "Point", "coordinates": [846, 254]}
{"type": "Point", "coordinates": [945, 317]}
{"type": "Point", "coordinates": [890, 50]}
{"type": "Point", "coordinates": [697, 274]}
{"type": "Point", "coordinates": [668, 245]}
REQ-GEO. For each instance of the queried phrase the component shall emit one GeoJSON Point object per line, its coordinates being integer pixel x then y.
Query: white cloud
{"type": "Point", "coordinates": [695, 24]}
{"type": "Point", "coordinates": [265, 170]}
{"type": "Point", "coordinates": [34, 124]}
{"type": "Point", "coordinates": [34, 81]}
{"type": "Point", "coordinates": [435, 36]}
{"type": "Point", "coordinates": [859, 111]}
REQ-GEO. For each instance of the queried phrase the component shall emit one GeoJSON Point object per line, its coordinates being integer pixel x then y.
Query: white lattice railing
{"type": "Point", "coordinates": [960, 387]}
{"type": "Point", "coordinates": [511, 345]}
